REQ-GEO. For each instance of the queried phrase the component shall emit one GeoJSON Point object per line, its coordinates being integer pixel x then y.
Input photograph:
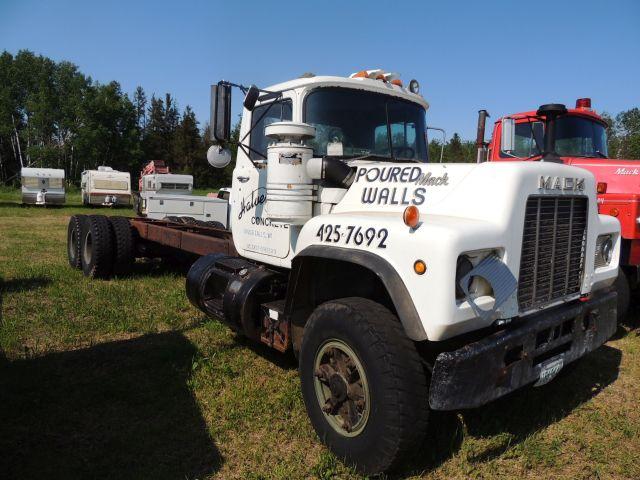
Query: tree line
{"type": "Point", "coordinates": [52, 115]}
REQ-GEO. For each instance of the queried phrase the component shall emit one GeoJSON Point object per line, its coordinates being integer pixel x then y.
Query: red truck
{"type": "Point", "coordinates": [576, 136]}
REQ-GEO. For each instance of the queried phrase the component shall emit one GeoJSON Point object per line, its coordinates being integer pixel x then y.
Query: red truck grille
{"type": "Point", "coordinates": [553, 249]}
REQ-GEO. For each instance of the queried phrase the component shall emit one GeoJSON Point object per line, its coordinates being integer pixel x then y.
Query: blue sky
{"type": "Point", "coordinates": [505, 56]}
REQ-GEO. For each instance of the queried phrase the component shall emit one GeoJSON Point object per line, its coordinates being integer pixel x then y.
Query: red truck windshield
{"type": "Point", "coordinates": [575, 137]}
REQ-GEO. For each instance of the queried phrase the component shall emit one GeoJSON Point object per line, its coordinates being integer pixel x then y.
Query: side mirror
{"type": "Point", "coordinates": [218, 156]}
{"type": "Point", "coordinates": [221, 112]}
{"type": "Point", "coordinates": [508, 135]}
{"type": "Point", "coordinates": [251, 98]}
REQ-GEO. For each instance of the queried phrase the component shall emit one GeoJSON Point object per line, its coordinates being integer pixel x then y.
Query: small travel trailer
{"type": "Point", "coordinates": [42, 186]}
{"type": "Point", "coordinates": [105, 186]}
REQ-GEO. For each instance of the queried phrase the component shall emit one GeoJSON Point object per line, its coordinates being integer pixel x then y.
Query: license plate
{"type": "Point", "coordinates": [549, 369]}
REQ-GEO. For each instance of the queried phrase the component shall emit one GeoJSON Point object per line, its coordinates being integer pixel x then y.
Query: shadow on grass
{"type": "Point", "coordinates": [117, 410]}
{"type": "Point", "coordinates": [285, 361]}
{"type": "Point", "coordinates": [519, 414]}
{"type": "Point", "coordinates": [179, 264]}
{"type": "Point", "coordinates": [23, 284]}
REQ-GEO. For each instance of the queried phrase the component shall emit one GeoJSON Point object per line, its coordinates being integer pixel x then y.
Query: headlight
{"type": "Point", "coordinates": [477, 286]}
{"type": "Point", "coordinates": [463, 267]}
{"type": "Point", "coordinates": [604, 251]}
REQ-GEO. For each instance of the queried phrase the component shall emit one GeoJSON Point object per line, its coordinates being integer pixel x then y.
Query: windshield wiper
{"type": "Point", "coordinates": [597, 154]}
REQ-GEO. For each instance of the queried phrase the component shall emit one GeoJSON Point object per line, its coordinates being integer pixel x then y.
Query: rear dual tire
{"type": "Point", "coordinates": [100, 246]}
{"type": "Point", "coordinates": [363, 384]}
{"type": "Point", "coordinates": [96, 252]}
{"type": "Point", "coordinates": [74, 240]}
{"type": "Point", "coordinates": [123, 245]}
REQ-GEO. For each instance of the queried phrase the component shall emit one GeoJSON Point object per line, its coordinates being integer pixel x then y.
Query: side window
{"type": "Point", "coordinates": [260, 118]}
{"type": "Point", "coordinates": [528, 136]}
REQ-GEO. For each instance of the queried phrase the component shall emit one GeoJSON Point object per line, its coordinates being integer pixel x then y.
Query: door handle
{"type": "Point", "coordinates": [243, 179]}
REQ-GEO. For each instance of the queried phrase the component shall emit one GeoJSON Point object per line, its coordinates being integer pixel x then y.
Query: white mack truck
{"type": "Point", "coordinates": [401, 286]}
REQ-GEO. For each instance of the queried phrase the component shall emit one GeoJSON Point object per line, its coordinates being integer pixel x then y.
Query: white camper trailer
{"type": "Point", "coordinates": [105, 186]}
{"type": "Point", "coordinates": [169, 195]}
{"type": "Point", "coordinates": [42, 186]}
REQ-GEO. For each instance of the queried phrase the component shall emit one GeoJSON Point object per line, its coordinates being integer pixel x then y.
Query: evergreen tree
{"type": "Point", "coordinates": [140, 103]}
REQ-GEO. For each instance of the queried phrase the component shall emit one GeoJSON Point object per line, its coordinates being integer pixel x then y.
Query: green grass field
{"type": "Point", "coordinates": [125, 379]}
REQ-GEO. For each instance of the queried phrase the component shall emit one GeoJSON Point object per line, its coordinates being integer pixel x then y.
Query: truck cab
{"type": "Point", "coordinates": [580, 139]}
{"type": "Point", "coordinates": [348, 240]}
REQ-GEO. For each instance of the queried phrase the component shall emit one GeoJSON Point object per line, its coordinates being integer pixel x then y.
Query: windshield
{"type": "Point", "coordinates": [580, 137]}
{"type": "Point", "coordinates": [355, 123]}
{"type": "Point", "coordinates": [575, 137]}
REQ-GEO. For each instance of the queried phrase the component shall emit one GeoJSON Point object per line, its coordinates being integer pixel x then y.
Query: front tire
{"type": "Point", "coordinates": [621, 286]}
{"type": "Point", "coordinates": [363, 383]}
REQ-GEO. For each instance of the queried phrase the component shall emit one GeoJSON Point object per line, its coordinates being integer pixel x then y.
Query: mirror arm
{"type": "Point", "coordinates": [267, 93]}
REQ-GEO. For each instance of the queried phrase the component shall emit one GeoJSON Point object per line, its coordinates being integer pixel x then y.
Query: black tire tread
{"type": "Point", "coordinates": [123, 245]}
{"type": "Point", "coordinates": [623, 289]}
{"type": "Point", "coordinates": [407, 389]}
{"type": "Point", "coordinates": [75, 223]}
{"type": "Point", "coordinates": [101, 266]}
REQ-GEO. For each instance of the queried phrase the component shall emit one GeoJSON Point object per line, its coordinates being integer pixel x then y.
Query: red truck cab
{"type": "Point", "coordinates": [579, 138]}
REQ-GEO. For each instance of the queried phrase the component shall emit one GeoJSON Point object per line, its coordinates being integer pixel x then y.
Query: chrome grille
{"type": "Point", "coordinates": [553, 249]}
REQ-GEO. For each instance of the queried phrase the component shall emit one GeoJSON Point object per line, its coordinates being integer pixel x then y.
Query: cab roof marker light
{"type": "Point", "coordinates": [584, 103]}
{"type": "Point", "coordinates": [372, 74]}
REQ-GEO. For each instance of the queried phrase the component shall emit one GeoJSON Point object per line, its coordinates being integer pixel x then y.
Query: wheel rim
{"type": "Point", "coordinates": [342, 388]}
{"type": "Point", "coordinates": [87, 251]}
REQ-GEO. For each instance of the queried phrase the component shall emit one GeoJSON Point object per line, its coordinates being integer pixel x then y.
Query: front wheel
{"type": "Point", "coordinates": [621, 286]}
{"type": "Point", "coordinates": [363, 383]}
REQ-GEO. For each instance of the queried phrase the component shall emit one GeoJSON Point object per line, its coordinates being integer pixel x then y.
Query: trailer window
{"type": "Point", "coordinates": [357, 120]}
{"type": "Point", "coordinates": [174, 186]}
{"type": "Point", "coordinates": [280, 111]}
{"type": "Point", "coordinates": [55, 182]}
{"type": "Point", "coordinates": [110, 184]}
{"type": "Point", "coordinates": [31, 182]}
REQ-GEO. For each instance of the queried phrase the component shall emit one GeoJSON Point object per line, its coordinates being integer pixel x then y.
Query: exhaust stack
{"type": "Point", "coordinates": [480, 143]}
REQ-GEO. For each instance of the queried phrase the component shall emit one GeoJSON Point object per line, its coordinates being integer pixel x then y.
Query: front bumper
{"type": "Point", "coordinates": [109, 199]}
{"type": "Point", "coordinates": [507, 360]}
{"type": "Point", "coordinates": [50, 198]}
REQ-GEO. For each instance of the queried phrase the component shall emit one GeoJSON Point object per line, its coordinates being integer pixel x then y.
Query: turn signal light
{"type": "Point", "coordinates": [411, 216]}
{"type": "Point", "coordinates": [614, 212]}
{"type": "Point", "coordinates": [602, 187]}
{"type": "Point", "coordinates": [419, 267]}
